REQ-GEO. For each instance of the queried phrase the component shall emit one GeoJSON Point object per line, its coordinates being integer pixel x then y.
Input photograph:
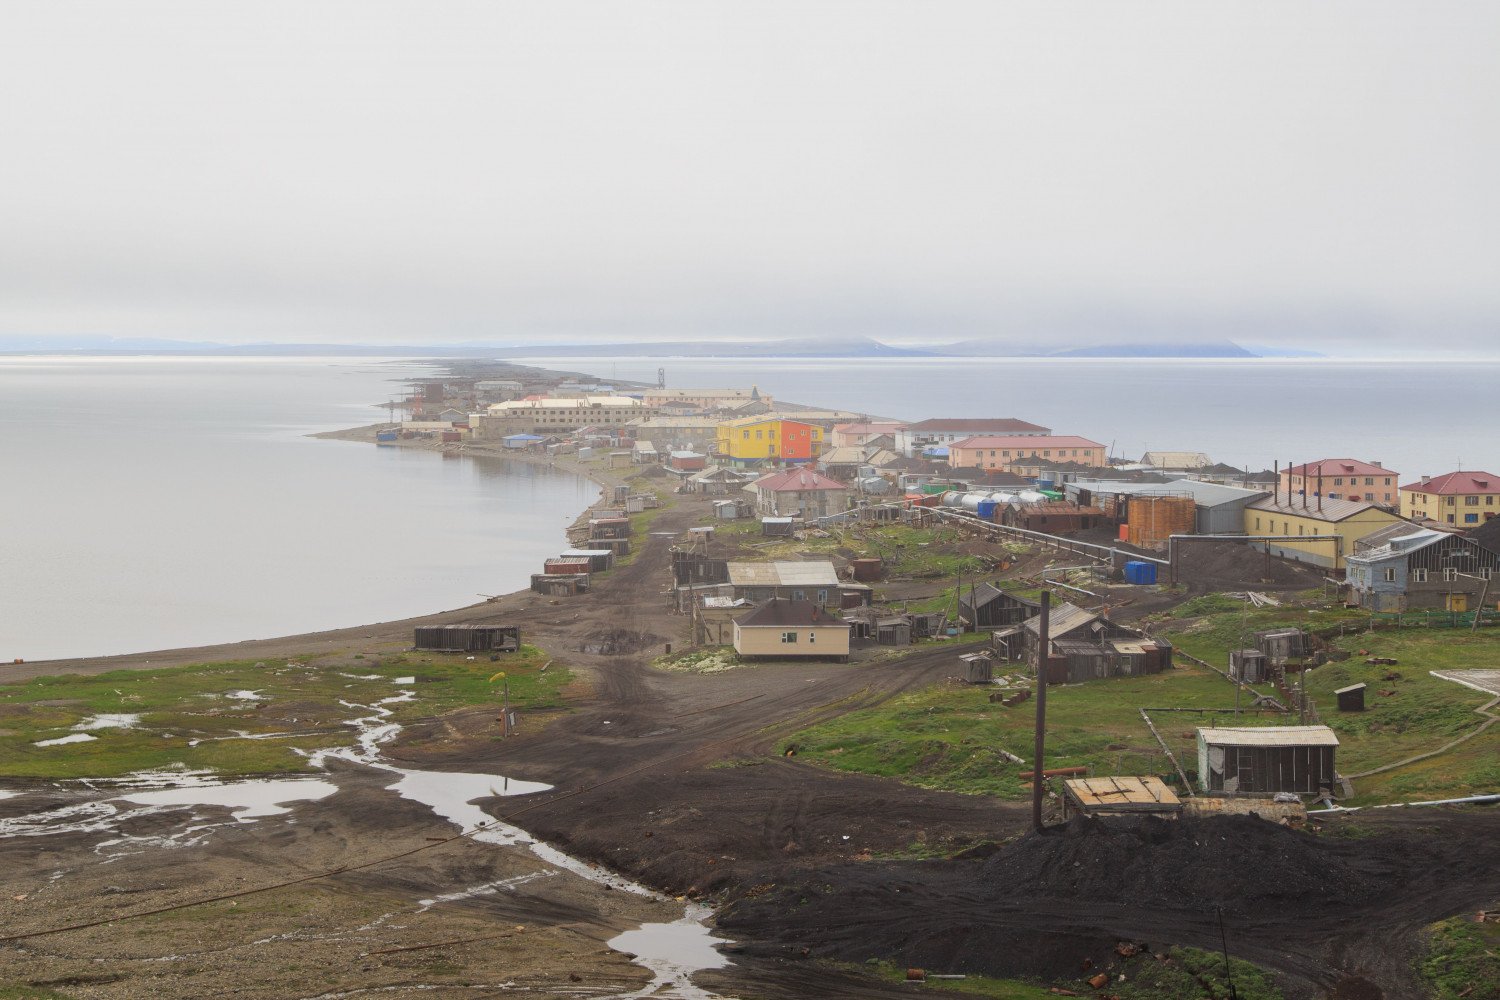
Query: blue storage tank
{"type": "Point", "coordinates": [1141, 573]}
{"type": "Point", "coordinates": [986, 509]}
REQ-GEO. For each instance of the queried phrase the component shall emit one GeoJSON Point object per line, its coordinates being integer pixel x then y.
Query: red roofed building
{"type": "Point", "coordinates": [854, 435]}
{"type": "Point", "coordinates": [1458, 499]}
{"type": "Point", "coordinates": [911, 439]}
{"type": "Point", "coordinates": [1009, 451]}
{"type": "Point", "coordinates": [799, 493]}
{"type": "Point", "coordinates": [1342, 479]}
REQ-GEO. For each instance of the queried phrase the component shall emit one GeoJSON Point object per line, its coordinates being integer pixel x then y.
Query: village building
{"type": "Point", "coordinates": [1331, 527]}
{"type": "Point", "coordinates": [1176, 461]}
{"type": "Point", "coordinates": [799, 493]}
{"type": "Point", "coordinates": [1341, 479]}
{"type": "Point", "coordinates": [851, 462]}
{"type": "Point", "coordinates": [912, 439]}
{"type": "Point", "coordinates": [1407, 568]}
{"type": "Point", "coordinates": [1267, 759]}
{"type": "Point", "coordinates": [855, 435]}
{"type": "Point", "coordinates": [791, 629]}
{"type": "Point", "coordinates": [552, 415]}
{"type": "Point", "coordinates": [814, 581]}
{"type": "Point", "coordinates": [1011, 452]}
{"type": "Point", "coordinates": [749, 440]}
{"type": "Point", "coordinates": [669, 433]}
{"type": "Point", "coordinates": [1458, 499]}
{"type": "Point", "coordinates": [1085, 645]}
{"type": "Point", "coordinates": [703, 399]}
{"type": "Point", "coordinates": [986, 606]}
{"type": "Point", "coordinates": [1217, 509]}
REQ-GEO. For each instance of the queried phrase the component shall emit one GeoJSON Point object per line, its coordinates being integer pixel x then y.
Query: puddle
{"type": "Point", "coordinates": [674, 952]}
{"type": "Point", "coordinates": [8, 795]}
{"type": "Point", "coordinates": [73, 738]}
{"type": "Point", "coordinates": [109, 720]}
{"type": "Point", "coordinates": [246, 696]}
{"type": "Point", "coordinates": [248, 800]}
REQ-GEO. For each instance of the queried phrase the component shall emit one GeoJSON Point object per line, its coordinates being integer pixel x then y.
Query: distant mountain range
{"type": "Point", "coordinates": [801, 347]}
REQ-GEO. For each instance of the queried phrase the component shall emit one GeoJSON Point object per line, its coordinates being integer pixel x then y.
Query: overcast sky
{"type": "Point", "coordinates": [372, 171]}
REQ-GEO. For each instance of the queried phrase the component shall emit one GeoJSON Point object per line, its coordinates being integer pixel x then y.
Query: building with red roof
{"type": "Point", "coordinates": [1341, 479]}
{"type": "Point", "coordinates": [1456, 499]}
{"type": "Point", "coordinates": [799, 493]}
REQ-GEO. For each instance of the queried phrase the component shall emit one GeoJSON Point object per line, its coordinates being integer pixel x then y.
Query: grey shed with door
{"type": "Point", "coordinates": [1297, 759]}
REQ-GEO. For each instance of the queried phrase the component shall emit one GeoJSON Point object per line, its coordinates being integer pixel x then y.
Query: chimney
{"type": "Point", "coordinates": [1377, 465]}
{"type": "Point", "coordinates": [1426, 480]}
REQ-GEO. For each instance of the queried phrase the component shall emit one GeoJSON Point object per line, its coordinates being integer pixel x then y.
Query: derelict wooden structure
{"type": "Point", "coordinates": [1096, 796]}
{"type": "Point", "coordinates": [469, 639]}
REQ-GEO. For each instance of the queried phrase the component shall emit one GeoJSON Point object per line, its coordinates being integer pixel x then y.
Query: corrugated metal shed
{"type": "Point", "coordinates": [783, 574]}
{"type": "Point", "coordinates": [1271, 736]}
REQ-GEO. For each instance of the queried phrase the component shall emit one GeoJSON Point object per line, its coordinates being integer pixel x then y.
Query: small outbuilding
{"type": "Point", "coordinates": [986, 606]}
{"type": "Point", "coordinates": [469, 639]}
{"type": "Point", "coordinates": [1351, 698]}
{"type": "Point", "coordinates": [1296, 759]}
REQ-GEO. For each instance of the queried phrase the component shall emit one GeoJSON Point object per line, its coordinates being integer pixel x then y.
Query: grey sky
{"type": "Point", "coordinates": [376, 171]}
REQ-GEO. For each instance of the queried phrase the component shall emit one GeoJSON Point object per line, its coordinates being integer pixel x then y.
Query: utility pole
{"type": "Point", "coordinates": [1041, 709]}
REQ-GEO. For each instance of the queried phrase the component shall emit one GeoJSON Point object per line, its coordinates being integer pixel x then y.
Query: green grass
{"type": "Point", "coordinates": [187, 719]}
{"type": "Point", "coordinates": [945, 736]}
{"type": "Point", "coordinates": [1185, 974]}
{"type": "Point", "coordinates": [1422, 714]}
{"type": "Point", "coordinates": [1462, 960]}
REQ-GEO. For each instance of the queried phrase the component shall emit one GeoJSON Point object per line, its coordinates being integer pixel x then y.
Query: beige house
{"type": "Point", "coordinates": [555, 415]}
{"type": "Point", "coordinates": [1460, 500]}
{"type": "Point", "coordinates": [782, 629]}
{"type": "Point", "coordinates": [1316, 530]}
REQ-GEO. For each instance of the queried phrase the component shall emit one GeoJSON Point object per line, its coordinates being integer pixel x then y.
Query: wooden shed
{"type": "Point", "coordinates": [1351, 698]}
{"type": "Point", "coordinates": [469, 638]}
{"type": "Point", "coordinates": [1298, 759]}
{"type": "Point", "coordinates": [978, 668]}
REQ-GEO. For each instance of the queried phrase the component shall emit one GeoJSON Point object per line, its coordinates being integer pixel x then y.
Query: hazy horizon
{"type": "Point", "coordinates": [392, 173]}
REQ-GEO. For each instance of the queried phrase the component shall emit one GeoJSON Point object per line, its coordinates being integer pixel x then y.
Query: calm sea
{"type": "Point", "coordinates": [153, 502]}
{"type": "Point", "coordinates": [1415, 417]}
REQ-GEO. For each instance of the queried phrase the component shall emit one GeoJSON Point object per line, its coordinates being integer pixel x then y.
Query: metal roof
{"type": "Point", "coordinates": [1270, 736]}
{"type": "Point", "coordinates": [1456, 483]}
{"type": "Point", "coordinates": [1064, 617]}
{"type": "Point", "coordinates": [1352, 687]}
{"type": "Point", "coordinates": [1131, 794]}
{"type": "Point", "coordinates": [567, 553]}
{"type": "Point", "coordinates": [1332, 510]}
{"type": "Point", "coordinates": [796, 481]}
{"type": "Point", "coordinates": [777, 613]}
{"type": "Point", "coordinates": [783, 574]}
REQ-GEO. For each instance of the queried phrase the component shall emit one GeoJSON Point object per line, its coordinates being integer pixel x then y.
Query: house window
{"type": "Point", "coordinates": [1471, 501]}
{"type": "Point", "coordinates": [1339, 481]}
{"type": "Point", "coordinates": [789, 637]}
{"type": "Point", "coordinates": [1390, 574]}
{"type": "Point", "coordinates": [1471, 519]}
{"type": "Point", "coordinates": [1387, 481]}
{"type": "Point", "coordinates": [1453, 501]}
{"type": "Point", "coordinates": [1257, 524]}
{"type": "Point", "coordinates": [1450, 519]}
{"type": "Point", "coordinates": [822, 597]}
{"type": "Point", "coordinates": [1369, 497]}
{"type": "Point", "coordinates": [747, 435]}
{"type": "Point", "coordinates": [1449, 574]}
{"type": "Point", "coordinates": [1369, 480]}
{"type": "Point", "coordinates": [1299, 529]}
{"type": "Point", "coordinates": [1419, 576]}
{"type": "Point", "coordinates": [812, 637]}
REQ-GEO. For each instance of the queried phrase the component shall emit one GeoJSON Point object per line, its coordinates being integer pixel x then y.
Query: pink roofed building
{"type": "Point", "coordinates": [1455, 500]}
{"type": "Point", "coordinates": [1342, 479]}
{"type": "Point", "coordinates": [799, 493]}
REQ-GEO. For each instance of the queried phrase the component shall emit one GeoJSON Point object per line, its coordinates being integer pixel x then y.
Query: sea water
{"type": "Point", "coordinates": [157, 502]}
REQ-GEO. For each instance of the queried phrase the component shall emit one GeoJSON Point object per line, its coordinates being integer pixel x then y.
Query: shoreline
{"type": "Point", "coordinates": [295, 643]}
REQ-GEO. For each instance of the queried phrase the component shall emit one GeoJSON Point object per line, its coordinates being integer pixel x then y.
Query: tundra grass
{"type": "Point", "coordinates": [189, 715]}
{"type": "Point", "coordinates": [1181, 974]}
{"type": "Point", "coordinates": [1462, 960]}
{"type": "Point", "coordinates": [1408, 712]}
{"type": "Point", "coordinates": [947, 736]}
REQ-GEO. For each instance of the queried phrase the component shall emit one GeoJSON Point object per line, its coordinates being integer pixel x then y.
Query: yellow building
{"type": "Point", "coordinates": [1458, 499]}
{"type": "Point", "coordinates": [756, 439]}
{"type": "Point", "coordinates": [1330, 527]}
{"type": "Point", "coordinates": [786, 630]}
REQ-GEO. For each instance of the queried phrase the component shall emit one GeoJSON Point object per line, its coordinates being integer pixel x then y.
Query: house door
{"type": "Point", "coordinates": [1458, 602]}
